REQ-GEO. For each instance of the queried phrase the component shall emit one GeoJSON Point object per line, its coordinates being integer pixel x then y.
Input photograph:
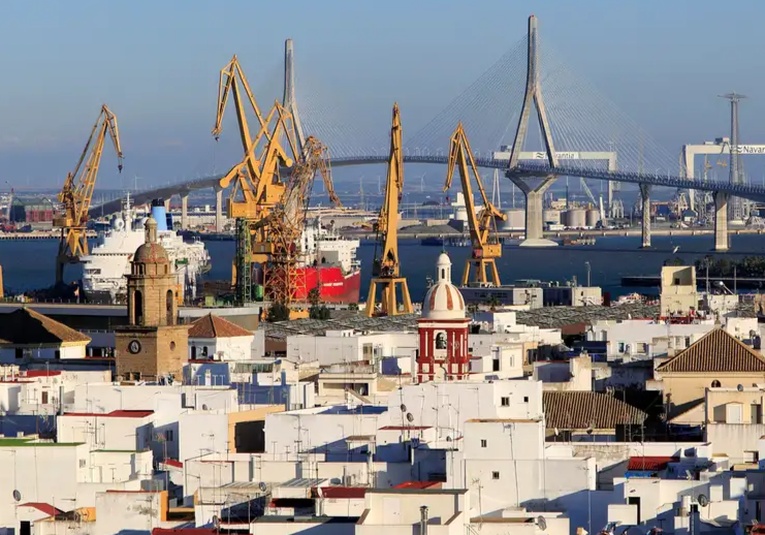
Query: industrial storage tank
{"type": "Point", "coordinates": [593, 216]}
{"type": "Point", "coordinates": [575, 218]}
{"type": "Point", "coordinates": [552, 217]}
{"type": "Point", "coordinates": [516, 219]}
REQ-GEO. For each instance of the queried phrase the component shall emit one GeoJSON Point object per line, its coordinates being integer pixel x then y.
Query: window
{"type": "Point", "coordinates": [57, 354]}
{"type": "Point", "coordinates": [45, 397]}
{"type": "Point", "coordinates": [687, 341]}
{"type": "Point", "coordinates": [170, 309]}
{"type": "Point", "coordinates": [715, 384]}
{"type": "Point", "coordinates": [193, 352]}
{"type": "Point", "coordinates": [204, 351]}
{"type": "Point", "coordinates": [19, 353]}
{"type": "Point", "coordinates": [505, 401]}
{"type": "Point", "coordinates": [82, 463]}
{"type": "Point", "coordinates": [525, 399]}
{"type": "Point", "coordinates": [495, 365]}
{"type": "Point", "coordinates": [169, 435]}
{"type": "Point", "coordinates": [495, 475]}
{"type": "Point", "coordinates": [137, 308]}
{"type": "Point", "coordinates": [483, 443]}
{"type": "Point", "coordinates": [621, 347]}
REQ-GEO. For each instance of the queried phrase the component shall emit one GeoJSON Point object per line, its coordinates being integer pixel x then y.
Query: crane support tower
{"type": "Point", "coordinates": [77, 193]}
{"type": "Point", "coordinates": [386, 269]}
{"type": "Point", "coordinates": [287, 221]}
{"type": "Point", "coordinates": [480, 268]}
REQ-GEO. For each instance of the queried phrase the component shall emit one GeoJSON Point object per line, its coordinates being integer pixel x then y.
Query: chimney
{"type": "Point", "coordinates": [423, 520]}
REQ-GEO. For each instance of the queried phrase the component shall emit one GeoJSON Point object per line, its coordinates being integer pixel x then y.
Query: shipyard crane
{"type": "Point", "coordinates": [77, 192]}
{"type": "Point", "coordinates": [262, 152]}
{"type": "Point", "coordinates": [287, 220]}
{"type": "Point", "coordinates": [483, 227]}
{"type": "Point", "coordinates": [386, 268]}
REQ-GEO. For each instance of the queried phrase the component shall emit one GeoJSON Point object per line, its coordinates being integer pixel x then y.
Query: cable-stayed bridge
{"type": "Point", "coordinates": [576, 131]}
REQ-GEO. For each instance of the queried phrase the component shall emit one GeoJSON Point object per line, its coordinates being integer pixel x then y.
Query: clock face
{"type": "Point", "coordinates": [134, 346]}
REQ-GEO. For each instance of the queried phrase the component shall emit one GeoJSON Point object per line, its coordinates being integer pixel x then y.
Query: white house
{"type": "Point", "coordinates": [28, 336]}
{"type": "Point", "coordinates": [126, 430]}
{"type": "Point", "coordinates": [214, 338]}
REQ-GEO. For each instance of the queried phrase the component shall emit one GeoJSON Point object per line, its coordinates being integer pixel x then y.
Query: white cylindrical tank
{"type": "Point", "coordinates": [516, 219]}
{"type": "Point", "coordinates": [552, 216]}
{"type": "Point", "coordinates": [575, 218]}
{"type": "Point", "coordinates": [460, 213]}
{"type": "Point", "coordinates": [593, 216]}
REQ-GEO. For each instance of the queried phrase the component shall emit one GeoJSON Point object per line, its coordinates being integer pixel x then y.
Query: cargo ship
{"type": "Point", "coordinates": [330, 264]}
{"type": "Point", "coordinates": [104, 269]}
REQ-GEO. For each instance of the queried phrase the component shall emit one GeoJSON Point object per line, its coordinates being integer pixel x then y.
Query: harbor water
{"type": "Point", "coordinates": [29, 265]}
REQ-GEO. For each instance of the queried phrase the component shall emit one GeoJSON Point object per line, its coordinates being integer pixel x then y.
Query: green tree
{"type": "Point", "coordinates": [278, 312]}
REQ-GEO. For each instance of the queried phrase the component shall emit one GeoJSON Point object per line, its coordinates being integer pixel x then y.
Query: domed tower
{"type": "Point", "coordinates": [152, 345]}
{"type": "Point", "coordinates": [151, 286]}
{"type": "Point", "coordinates": [443, 328]}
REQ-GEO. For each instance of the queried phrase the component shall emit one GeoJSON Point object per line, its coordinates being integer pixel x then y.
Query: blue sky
{"type": "Point", "coordinates": [156, 65]}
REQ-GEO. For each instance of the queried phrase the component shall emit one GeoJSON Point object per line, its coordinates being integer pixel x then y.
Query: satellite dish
{"type": "Point", "coordinates": [740, 388]}
{"type": "Point", "coordinates": [403, 408]}
{"type": "Point", "coordinates": [541, 523]}
{"type": "Point", "coordinates": [262, 486]}
{"type": "Point", "coordinates": [409, 417]}
{"type": "Point", "coordinates": [703, 500]}
{"type": "Point", "coordinates": [16, 495]}
{"type": "Point", "coordinates": [216, 521]}
{"type": "Point", "coordinates": [204, 406]}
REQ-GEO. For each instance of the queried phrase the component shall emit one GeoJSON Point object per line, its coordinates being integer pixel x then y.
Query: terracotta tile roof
{"type": "Point", "coordinates": [46, 508]}
{"type": "Point", "coordinates": [651, 463]}
{"type": "Point", "coordinates": [581, 410]}
{"type": "Point", "coordinates": [340, 492]}
{"type": "Point", "coordinates": [717, 352]}
{"type": "Point", "coordinates": [126, 413]}
{"type": "Point", "coordinates": [24, 326]}
{"type": "Point", "coordinates": [216, 327]}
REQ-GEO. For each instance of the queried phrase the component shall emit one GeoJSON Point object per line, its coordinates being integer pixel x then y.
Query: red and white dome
{"type": "Point", "coordinates": [443, 300]}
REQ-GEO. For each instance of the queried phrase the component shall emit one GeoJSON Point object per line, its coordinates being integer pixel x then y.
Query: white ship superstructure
{"type": "Point", "coordinates": [323, 246]}
{"type": "Point", "coordinates": [104, 269]}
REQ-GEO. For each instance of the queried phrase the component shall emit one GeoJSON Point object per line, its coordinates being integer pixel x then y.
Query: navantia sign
{"type": "Point", "coordinates": [751, 149]}
{"type": "Point", "coordinates": [559, 155]}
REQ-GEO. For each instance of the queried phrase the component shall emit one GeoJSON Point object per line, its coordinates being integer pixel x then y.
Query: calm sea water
{"type": "Point", "coordinates": [30, 264]}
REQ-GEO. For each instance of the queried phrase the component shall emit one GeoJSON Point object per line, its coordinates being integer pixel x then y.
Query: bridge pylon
{"type": "Point", "coordinates": [534, 191]}
{"type": "Point", "coordinates": [289, 101]}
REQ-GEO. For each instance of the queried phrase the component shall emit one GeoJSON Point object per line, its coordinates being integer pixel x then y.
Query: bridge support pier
{"type": "Point", "coordinates": [721, 220]}
{"type": "Point", "coordinates": [535, 211]}
{"type": "Point", "coordinates": [184, 211]}
{"type": "Point", "coordinates": [645, 196]}
{"type": "Point", "coordinates": [218, 209]}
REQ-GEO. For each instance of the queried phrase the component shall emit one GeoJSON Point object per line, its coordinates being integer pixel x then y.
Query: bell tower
{"type": "Point", "coordinates": [152, 345]}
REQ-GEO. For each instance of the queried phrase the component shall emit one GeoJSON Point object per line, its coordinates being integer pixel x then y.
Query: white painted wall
{"type": "Point", "coordinates": [223, 348]}
{"type": "Point", "coordinates": [8, 355]}
{"type": "Point", "coordinates": [104, 432]}
{"type": "Point", "coordinates": [347, 346]}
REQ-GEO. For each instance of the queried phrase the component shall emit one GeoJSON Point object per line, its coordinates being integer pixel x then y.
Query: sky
{"type": "Point", "coordinates": [156, 65]}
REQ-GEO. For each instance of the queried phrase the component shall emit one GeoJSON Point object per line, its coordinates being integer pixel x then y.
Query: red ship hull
{"type": "Point", "coordinates": [334, 286]}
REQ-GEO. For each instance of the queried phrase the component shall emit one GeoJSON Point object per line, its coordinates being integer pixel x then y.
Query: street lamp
{"type": "Point", "coordinates": [589, 269]}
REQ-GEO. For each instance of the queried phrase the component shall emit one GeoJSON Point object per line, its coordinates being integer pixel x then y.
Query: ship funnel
{"type": "Point", "coordinates": [159, 214]}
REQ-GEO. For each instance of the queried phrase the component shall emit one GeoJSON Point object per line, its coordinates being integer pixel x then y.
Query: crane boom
{"type": "Point", "coordinates": [483, 227]}
{"type": "Point", "coordinates": [77, 192]}
{"type": "Point", "coordinates": [386, 269]}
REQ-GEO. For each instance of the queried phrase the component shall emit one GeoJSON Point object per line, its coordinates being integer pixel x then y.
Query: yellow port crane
{"type": "Point", "coordinates": [262, 153]}
{"type": "Point", "coordinates": [287, 220]}
{"type": "Point", "coordinates": [386, 269]}
{"type": "Point", "coordinates": [77, 192]}
{"type": "Point", "coordinates": [483, 227]}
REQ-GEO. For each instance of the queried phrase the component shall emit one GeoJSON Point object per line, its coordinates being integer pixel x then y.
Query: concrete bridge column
{"type": "Point", "coordinates": [645, 196]}
{"type": "Point", "coordinates": [721, 220]}
{"type": "Point", "coordinates": [218, 209]}
{"type": "Point", "coordinates": [184, 211]}
{"type": "Point", "coordinates": [534, 211]}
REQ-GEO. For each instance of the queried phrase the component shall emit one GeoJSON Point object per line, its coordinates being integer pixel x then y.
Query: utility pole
{"type": "Point", "coordinates": [735, 208]}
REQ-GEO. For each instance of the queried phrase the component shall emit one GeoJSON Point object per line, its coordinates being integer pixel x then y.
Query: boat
{"type": "Point", "coordinates": [578, 241]}
{"type": "Point", "coordinates": [328, 263]}
{"type": "Point", "coordinates": [105, 268]}
{"type": "Point", "coordinates": [433, 240]}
